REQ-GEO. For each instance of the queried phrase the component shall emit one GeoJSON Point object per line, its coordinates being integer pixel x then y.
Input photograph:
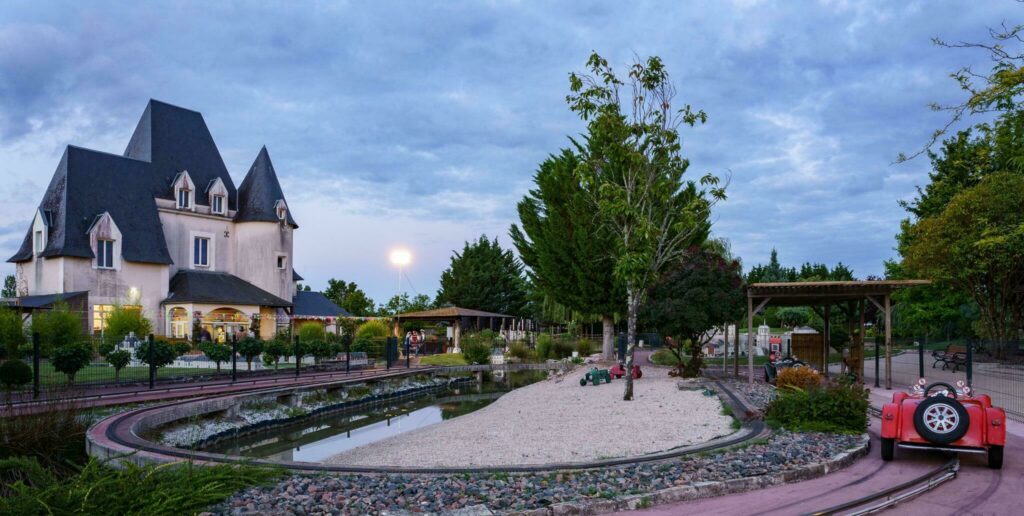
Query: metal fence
{"type": "Point", "coordinates": [156, 363]}
{"type": "Point", "coordinates": [993, 368]}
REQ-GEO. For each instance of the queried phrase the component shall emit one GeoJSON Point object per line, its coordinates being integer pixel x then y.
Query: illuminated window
{"type": "Point", "coordinates": [100, 313]}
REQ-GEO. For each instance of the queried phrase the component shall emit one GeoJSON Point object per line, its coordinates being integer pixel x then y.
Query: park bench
{"type": "Point", "coordinates": [955, 356]}
{"type": "Point", "coordinates": [596, 376]}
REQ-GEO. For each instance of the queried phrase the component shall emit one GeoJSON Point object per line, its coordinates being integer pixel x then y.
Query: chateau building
{"type": "Point", "coordinates": [164, 228]}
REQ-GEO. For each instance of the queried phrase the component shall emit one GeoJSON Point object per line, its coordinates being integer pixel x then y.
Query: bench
{"type": "Point", "coordinates": [955, 356]}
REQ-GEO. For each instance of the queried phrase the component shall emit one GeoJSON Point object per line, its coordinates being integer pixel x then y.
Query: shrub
{"type": "Point", "coordinates": [12, 332]}
{"type": "Point", "coordinates": [800, 377]}
{"type": "Point", "coordinates": [476, 351]}
{"type": "Point", "coordinates": [520, 351]}
{"type": "Point", "coordinates": [372, 329]}
{"type": "Point", "coordinates": [563, 348]}
{"type": "Point", "coordinates": [14, 374]}
{"type": "Point", "coordinates": [249, 348]}
{"type": "Point", "coordinates": [71, 358]}
{"type": "Point", "coordinates": [835, 408]}
{"type": "Point", "coordinates": [216, 352]}
{"type": "Point", "coordinates": [120, 322]}
{"type": "Point", "coordinates": [181, 347]}
{"type": "Point", "coordinates": [274, 350]}
{"type": "Point", "coordinates": [544, 346]}
{"type": "Point", "coordinates": [56, 328]}
{"type": "Point", "coordinates": [319, 349]}
{"type": "Point", "coordinates": [163, 353]}
{"type": "Point", "coordinates": [118, 359]}
{"type": "Point", "coordinates": [311, 331]}
{"type": "Point", "coordinates": [584, 347]}
{"type": "Point", "coordinates": [56, 438]}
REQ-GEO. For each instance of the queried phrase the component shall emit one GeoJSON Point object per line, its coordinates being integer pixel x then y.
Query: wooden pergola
{"type": "Point", "coordinates": [821, 296]}
{"type": "Point", "coordinates": [457, 317]}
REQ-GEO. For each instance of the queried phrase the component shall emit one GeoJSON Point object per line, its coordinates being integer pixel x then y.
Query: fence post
{"type": "Point", "coordinates": [407, 361]}
{"type": "Point", "coordinates": [876, 361]}
{"type": "Point", "coordinates": [387, 351]}
{"type": "Point", "coordinates": [35, 365]}
{"type": "Point", "coordinates": [970, 363]}
{"type": "Point", "coordinates": [348, 355]}
{"type": "Point", "coordinates": [920, 359]}
{"type": "Point", "coordinates": [150, 353]}
{"type": "Point", "coordinates": [298, 357]}
{"type": "Point", "coordinates": [234, 358]}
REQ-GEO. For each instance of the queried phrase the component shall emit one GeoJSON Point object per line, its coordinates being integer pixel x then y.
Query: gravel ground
{"type": "Point", "coordinates": [499, 492]}
{"type": "Point", "coordinates": [759, 394]}
{"type": "Point", "coordinates": [557, 420]}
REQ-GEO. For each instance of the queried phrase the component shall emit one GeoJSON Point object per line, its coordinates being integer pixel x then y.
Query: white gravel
{"type": "Point", "coordinates": [558, 421]}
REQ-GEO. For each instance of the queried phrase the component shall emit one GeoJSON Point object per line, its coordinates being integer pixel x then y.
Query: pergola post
{"type": "Point", "coordinates": [457, 334]}
{"type": "Point", "coordinates": [736, 350]}
{"type": "Point", "coordinates": [826, 340]}
{"type": "Point", "coordinates": [750, 338]}
{"type": "Point", "coordinates": [888, 342]}
{"type": "Point", "coordinates": [860, 344]}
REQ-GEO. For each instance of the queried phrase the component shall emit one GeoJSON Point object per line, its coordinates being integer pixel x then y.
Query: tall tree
{"type": "Point", "coordinates": [484, 277]}
{"type": "Point", "coordinates": [634, 169]}
{"type": "Point", "coordinates": [403, 303]}
{"type": "Point", "coordinates": [10, 287]}
{"type": "Point", "coordinates": [564, 246]}
{"type": "Point", "coordinates": [350, 297]}
{"type": "Point", "coordinates": [977, 245]}
{"type": "Point", "coordinates": [695, 295]}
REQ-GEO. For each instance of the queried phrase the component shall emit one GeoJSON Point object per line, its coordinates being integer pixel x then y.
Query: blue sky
{"type": "Point", "coordinates": [421, 124]}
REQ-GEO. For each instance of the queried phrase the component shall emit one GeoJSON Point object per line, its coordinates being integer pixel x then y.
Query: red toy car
{"type": "Point", "coordinates": [618, 371]}
{"type": "Point", "coordinates": [950, 419]}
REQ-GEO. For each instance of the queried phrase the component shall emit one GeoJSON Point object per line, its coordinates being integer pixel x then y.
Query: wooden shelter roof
{"type": "Point", "coordinates": [449, 313]}
{"type": "Point", "coordinates": [826, 292]}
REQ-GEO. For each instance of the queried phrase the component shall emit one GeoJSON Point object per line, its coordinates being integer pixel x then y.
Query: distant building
{"type": "Point", "coordinates": [163, 227]}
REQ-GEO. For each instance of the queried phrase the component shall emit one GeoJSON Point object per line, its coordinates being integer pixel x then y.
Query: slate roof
{"type": "Point", "coordinates": [167, 140]}
{"type": "Point", "coordinates": [315, 304]}
{"type": "Point", "coordinates": [260, 192]}
{"type": "Point", "coordinates": [43, 301]}
{"type": "Point", "coordinates": [191, 286]}
{"type": "Point", "coordinates": [296, 277]}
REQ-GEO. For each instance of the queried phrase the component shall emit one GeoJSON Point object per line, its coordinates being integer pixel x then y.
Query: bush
{"type": "Point", "coordinates": [319, 349]}
{"type": "Point", "coordinates": [372, 329]}
{"type": "Point", "coordinates": [119, 359]}
{"type": "Point", "coordinates": [800, 377]}
{"type": "Point", "coordinates": [56, 438]}
{"type": "Point", "coordinates": [56, 328]}
{"type": "Point", "coordinates": [563, 348]}
{"type": "Point", "coordinates": [544, 346]}
{"type": "Point", "coordinates": [835, 408]}
{"type": "Point", "coordinates": [585, 348]}
{"type": "Point", "coordinates": [120, 322]}
{"type": "Point", "coordinates": [216, 352]}
{"type": "Point", "coordinates": [181, 347]}
{"type": "Point", "coordinates": [249, 348]}
{"type": "Point", "coordinates": [476, 351]}
{"type": "Point", "coordinates": [14, 374]}
{"type": "Point", "coordinates": [311, 331]}
{"type": "Point", "coordinates": [71, 358]}
{"type": "Point", "coordinates": [520, 351]}
{"type": "Point", "coordinates": [274, 350]}
{"type": "Point", "coordinates": [163, 353]}
{"type": "Point", "coordinates": [12, 332]}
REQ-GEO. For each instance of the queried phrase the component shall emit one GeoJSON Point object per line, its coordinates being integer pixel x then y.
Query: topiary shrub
{"type": "Point", "coordinates": [585, 348]}
{"type": "Point", "coordinates": [14, 374]}
{"type": "Point", "coordinates": [800, 377]}
{"type": "Point", "coordinates": [544, 345]}
{"type": "Point", "coordinates": [163, 353]}
{"type": "Point", "coordinates": [70, 359]}
{"type": "Point", "coordinates": [835, 408]}
{"type": "Point", "coordinates": [372, 329]}
{"type": "Point", "coordinates": [249, 348]}
{"type": "Point", "coordinates": [216, 352]}
{"type": "Point", "coordinates": [274, 350]}
{"type": "Point", "coordinates": [319, 349]}
{"type": "Point", "coordinates": [118, 359]}
{"type": "Point", "coordinates": [181, 347]}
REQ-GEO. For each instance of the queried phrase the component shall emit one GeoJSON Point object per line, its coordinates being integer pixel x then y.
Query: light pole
{"type": "Point", "coordinates": [399, 258]}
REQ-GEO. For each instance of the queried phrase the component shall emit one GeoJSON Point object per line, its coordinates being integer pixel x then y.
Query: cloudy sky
{"type": "Point", "coordinates": [421, 124]}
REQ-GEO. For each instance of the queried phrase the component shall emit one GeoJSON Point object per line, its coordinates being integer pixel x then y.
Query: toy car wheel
{"type": "Point", "coordinates": [941, 419]}
{"type": "Point", "coordinates": [583, 382]}
{"type": "Point", "coordinates": [888, 447]}
{"type": "Point", "coordinates": [995, 457]}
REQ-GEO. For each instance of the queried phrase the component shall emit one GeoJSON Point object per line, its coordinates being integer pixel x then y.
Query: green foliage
{"type": "Point", "coordinates": [319, 349]}
{"type": "Point", "coordinates": [476, 348]}
{"type": "Point", "coordinates": [584, 347]}
{"type": "Point", "coordinates": [976, 245]}
{"type": "Point", "coordinates": [56, 328]}
{"type": "Point", "coordinates": [443, 360]}
{"type": "Point", "coordinates": [775, 272]}
{"type": "Point", "coordinates": [181, 347]}
{"type": "Point", "coordinates": [168, 489]}
{"type": "Point", "coordinates": [14, 374]}
{"type": "Point", "coordinates": [484, 277]}
{"type": "Point", "coordinates": [373, 328]}
{"type": "Point", "coordinates": [833, 408]}
{"type": "Point", "coordinates": [520, 352]}
{"type": "Point", "coordinates": [275, 349]}
{"type": "Point", "coordinates": [216, 352]}
{"type": "Point", "coordinates": [10, 287]}
{"type": "Point", "coordinates": [12, 332]}
{"type": "Point", "coordinates": [401, 303]}
{"type": "Point", "coordinates": [311, 331]}
{"type": "Point", "coordinates": [56, 438]}
{"type": "Point", "coordinates": [163, 353]}
{"type": "Point", "coordinates": [666, 357]}
{"type": "Point", "coordinates": [249, 348]}
{"type": "Point", "coordinates": [793, 316]}
{"type": "Point", "coordinates": [545, 343]}
{"type": "Point", "coordinates": [119, 359]}
{"type": "Point", "coordinates": [562, 348]}
{"type": "Point", "coordinates": [350, 297]}
{"type": "Point", "coordinates": [120, 322]}
{"type": "Point", "coordinates": [71, 358]}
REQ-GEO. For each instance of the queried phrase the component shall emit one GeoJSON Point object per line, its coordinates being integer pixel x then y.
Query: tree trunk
{"type": "Point", "coordinates": [633, 302]}
{"type": "Point", "coordinates": [608, 337]}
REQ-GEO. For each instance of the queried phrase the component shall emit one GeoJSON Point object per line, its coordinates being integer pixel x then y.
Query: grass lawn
{"type": "Point", "coordinates": [444, 359]}
{"type": "Point", "coordinates": [98, 373]}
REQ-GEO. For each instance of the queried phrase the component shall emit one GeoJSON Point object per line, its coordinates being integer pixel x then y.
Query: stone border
{"type": "Point", "coordinates": [700, 490]}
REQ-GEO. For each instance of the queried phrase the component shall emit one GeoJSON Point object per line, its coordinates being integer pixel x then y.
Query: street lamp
{"type": "Point", "coordinates": [400, 258]}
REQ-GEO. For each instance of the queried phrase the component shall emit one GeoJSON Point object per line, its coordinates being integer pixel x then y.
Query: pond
{"type": "Point", "coordinates": [317, 438]}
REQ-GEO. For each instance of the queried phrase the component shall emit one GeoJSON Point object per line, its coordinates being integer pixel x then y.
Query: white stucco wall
{"type": "Point", "coordinates": [136, 283]}
{"type": "Point", "coordinates": [180, 228]}
{"type": "Point", "coordinates": [259, 244]}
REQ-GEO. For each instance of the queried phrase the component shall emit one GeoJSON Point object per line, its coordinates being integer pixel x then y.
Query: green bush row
{"type": "Point", "coordinates": [840, 407]}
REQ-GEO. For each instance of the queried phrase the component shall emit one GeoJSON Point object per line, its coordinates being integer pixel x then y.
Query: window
{"type": "Point", "coordinates": [105, 254]}
{"type": "Point", "coordinates": [282, 261]}
{"type": "Point", "coordinates": [183, 198]}
{"type": "Point", "coordinates": [218, 204]}
{"type": "Point", "coordinates": [39, 242]}
{"type": "Point", "coordinates": [100, 313]}
{"type": "Point", "coordinates": [201, 252]}
{"type": "Point", "coordinates": [282, 210]}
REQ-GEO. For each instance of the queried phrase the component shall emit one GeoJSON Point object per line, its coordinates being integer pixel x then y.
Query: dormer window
{"type": "Point", "coordinates": [217, 194]}
{"type": "Point", "coordinates": [183, 199]}
{"type": "Point", "coordinates": [40, 243]}
{"type": "Point", "coordinates": [184, 191]}
{"type": "Point", "coordinates": [282, 210]}
{"type": "Point", "coordinates": [104, 254]}
{"type": "Point", "coordinates": [218, 204]}
{"type": "Point", "coordinates": [106, 241]}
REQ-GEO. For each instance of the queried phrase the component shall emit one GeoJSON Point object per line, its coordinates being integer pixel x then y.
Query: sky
{"type": "Point", "coordinates": [421, 124]}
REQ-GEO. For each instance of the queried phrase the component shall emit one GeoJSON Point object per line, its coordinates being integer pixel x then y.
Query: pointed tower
{"type": "Point", "coordinates": [260, 198]}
